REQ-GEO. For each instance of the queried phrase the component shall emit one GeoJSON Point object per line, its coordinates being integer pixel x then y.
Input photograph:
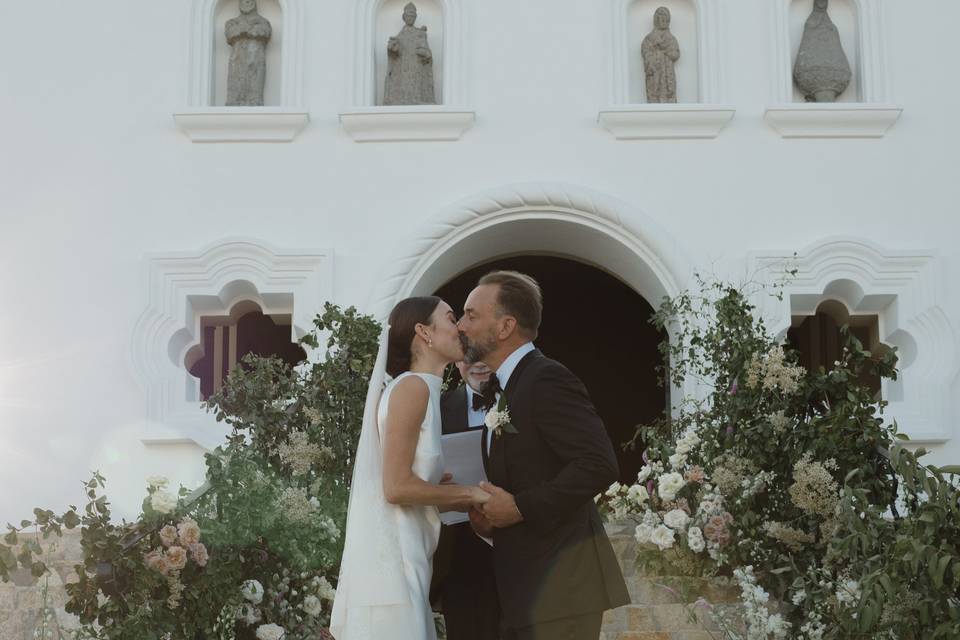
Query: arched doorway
{"type": "Point", "coordinates": [599, 328]}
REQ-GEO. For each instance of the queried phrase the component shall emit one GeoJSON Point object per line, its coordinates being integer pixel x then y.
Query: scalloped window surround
{"type": "Point", "coordinates": [904, 290]}
{"type": "Point", "coordinates": [182, 288]}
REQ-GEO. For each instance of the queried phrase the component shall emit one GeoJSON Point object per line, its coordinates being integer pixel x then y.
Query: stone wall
{"type": "Point", "coordinates": [28, 605]}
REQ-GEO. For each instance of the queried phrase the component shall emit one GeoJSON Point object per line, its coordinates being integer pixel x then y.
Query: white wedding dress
{"type": "Point", "coordinates": [387, 564]}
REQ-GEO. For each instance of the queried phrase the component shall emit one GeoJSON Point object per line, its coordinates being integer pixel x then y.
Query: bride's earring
{"type": "Point", "coordinates": [430, 343]}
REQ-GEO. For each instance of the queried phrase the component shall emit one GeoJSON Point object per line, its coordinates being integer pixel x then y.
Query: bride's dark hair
{"type": "Point", "coordinates": [403, 321]}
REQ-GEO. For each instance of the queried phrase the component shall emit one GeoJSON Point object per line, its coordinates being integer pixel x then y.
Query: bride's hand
{"type": "Point", "coordinates": [478, 496]}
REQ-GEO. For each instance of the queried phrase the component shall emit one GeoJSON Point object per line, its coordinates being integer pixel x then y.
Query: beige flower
{"type": "Point", "coordinates": [155, 561]}
{"type": "Point", "coordinates": [168, 535]}
{"type": "Point", "coordinates": [177, 557]}
{"type": "Point", "coordinates": [695, 474]}
{"type": "Point", "coordinates": [189, 532]}
{"type": "Point", "coordinates": [198, 552]}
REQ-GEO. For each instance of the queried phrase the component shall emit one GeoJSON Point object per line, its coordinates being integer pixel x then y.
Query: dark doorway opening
{"type": "Point", "coordinates": [599, 328]}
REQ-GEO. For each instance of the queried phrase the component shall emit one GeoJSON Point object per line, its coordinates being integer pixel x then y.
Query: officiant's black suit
{"type": "Point", "coordinates": [558, 562]}
{"type": "Point", "coordinates": [463, 584]}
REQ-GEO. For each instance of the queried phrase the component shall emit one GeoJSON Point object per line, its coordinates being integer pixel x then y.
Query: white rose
{"type": "Point", "coordinates": [677, 460]}
{"type": "Point", "coordinates": [326, 591]}
{"type": "Point", "coordinates": [638, 494]}
{"type": "Point", "coordinates": [311, 605]}
{"type": "Point", "coordinates": [248, 613]}
{"type": "Point", "coordinates": [270, 632]}
{"type": "Point", "coordinates": [670, 484]}
{"type": "Point", "coordinates": [676, 519]}
{"type": "Point", "coordinates": [163, 502]}
{"type": "Point", "coordinates": [662, 536]}
{"type": "Point", "coordinates": [157, 482]}
{"type": "Point", "coordinates": [492, 418]}
{"type": "Point", "coordinates": [643, 533]}
{"type": "Point", "coordinates": [695, 539]}
{"type": "Point", "coordinates": [613, 490]}
{"type": "Point", "coordinates": [644, 473]}
{"type": "Point", "coordinates": [252, 591]}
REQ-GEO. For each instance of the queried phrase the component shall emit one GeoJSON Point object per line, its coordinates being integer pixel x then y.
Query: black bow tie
{"type": "Point", "coordinates": [487, 397]}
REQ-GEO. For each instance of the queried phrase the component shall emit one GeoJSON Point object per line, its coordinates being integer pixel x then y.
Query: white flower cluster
{"type": "Point", "coordinates": [848, 592]}
{"type": "Point", "coordinates": [252, 590]}
{"type": "Point", "coordinates": [626, 500]}
{"type": "Point", "coordinates": [760, 623]}
{"type": "Point", "coordinates": [296, 505]}
{"type": "Point", "coordinates": [755, 483]}
{"type": "Point", "coordinates": [772, 371]}
{"type": "Point", "coordinates": [684, 447]}
{"type": "Point", "coordinates": [270, 632]}
{"type": "Point", "coordinates": [163, 501]}
{"type": "Point", "coordinates": [670, 485]}
{"type": "Point", "coordinates": [301, 455]}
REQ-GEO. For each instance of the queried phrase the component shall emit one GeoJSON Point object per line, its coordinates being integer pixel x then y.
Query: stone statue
{"type": "Point", "coordinates": [247, 35]}
{"type": "Point", "coordinates": [410, 68]}
{"type": "Point", "coordinates": [660, 50]}
{"type": "Point", "coordinates": [822, 71]}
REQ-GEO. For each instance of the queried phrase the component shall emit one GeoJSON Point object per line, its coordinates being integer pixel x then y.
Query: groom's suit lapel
{"type": "Point", "coordinates": [497, 463]}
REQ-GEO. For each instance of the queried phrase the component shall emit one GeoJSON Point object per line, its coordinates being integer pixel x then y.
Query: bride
{"type": "Point", "coordinates": [399, 487]}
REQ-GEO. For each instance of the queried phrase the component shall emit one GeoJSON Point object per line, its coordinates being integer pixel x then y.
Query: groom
{"type": "Point", "coordinates": [555, 569]}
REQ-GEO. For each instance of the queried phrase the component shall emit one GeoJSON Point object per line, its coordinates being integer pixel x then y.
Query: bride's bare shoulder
{"type": "Point", "coordinates": [408, 393]}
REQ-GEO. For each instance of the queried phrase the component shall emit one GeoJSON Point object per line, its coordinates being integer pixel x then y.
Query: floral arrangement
{"type": "Point", "coordinates": [792, 482]}
{"type": "Point", "coordinates": [256, 551]}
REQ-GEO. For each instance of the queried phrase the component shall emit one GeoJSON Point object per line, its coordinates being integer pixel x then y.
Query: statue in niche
{"type": "Point", "coordinates": [247, 35]}
{"type": "Point", "coordinates": [410, 68]}
{"type": "Point", "coordinates": [822, 71]}
{"type": "Point", "coordinates": [660, 50]}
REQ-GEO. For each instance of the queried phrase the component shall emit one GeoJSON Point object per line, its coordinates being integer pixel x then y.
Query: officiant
{"type": "Point", "coordinates": [464, 588]}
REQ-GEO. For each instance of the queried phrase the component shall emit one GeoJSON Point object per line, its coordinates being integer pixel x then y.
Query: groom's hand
{"type": "Point", "coordinates": [481, 526]}
{"type": "Point", "coordinates": [501, 509]}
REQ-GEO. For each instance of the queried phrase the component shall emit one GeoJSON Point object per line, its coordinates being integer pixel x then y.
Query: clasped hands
{"type": "Point", "coordinates": [492, 508]}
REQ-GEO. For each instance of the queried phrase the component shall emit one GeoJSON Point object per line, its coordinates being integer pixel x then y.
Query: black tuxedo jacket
{"type": "Point", "coordinates": [557, 562]}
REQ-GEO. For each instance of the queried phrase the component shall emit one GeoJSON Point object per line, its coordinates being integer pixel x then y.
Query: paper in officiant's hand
{"type": "Point", "coordinates": [462, 458]}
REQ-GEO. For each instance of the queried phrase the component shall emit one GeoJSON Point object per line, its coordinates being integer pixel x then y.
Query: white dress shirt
{"type": "Point", "coordinates": [505, 371]}
{"type": "Point", "coordinates": [476, 417]}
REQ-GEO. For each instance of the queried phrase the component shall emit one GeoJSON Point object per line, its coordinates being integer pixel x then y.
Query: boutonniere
{"type": "Point", "coordinates": [498, 418]}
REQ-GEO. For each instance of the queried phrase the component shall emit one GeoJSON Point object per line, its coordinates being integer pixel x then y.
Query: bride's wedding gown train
{"type": "Point", "coordinates": [388, 556]}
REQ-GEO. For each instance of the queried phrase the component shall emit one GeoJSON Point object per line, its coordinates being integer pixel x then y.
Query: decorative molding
{"type": "Point", "coordinates": [241, 124]}
{"type": "Point", "coordinates": [363, 87]}
{"type": "Point", "coordinates": [391, 124]}
{"type": "Point", "coordinates": [200, 90]}
{"type": "Point", "coordinates": [833, 120]}
{"type": "Point", "coordinates": [659, 121]}
{"type": "Point", "coordinates": [183, 286]}
{"type": "Point", "coordinates": [709, 53]}
{"type": "Point", "coordinates": [904, 289]}
{"type": "Point", "coordinates": [539, 217]}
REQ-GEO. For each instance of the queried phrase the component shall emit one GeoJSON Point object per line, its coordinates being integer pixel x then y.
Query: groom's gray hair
{"type": "Point", "coordinates": [519, 296]}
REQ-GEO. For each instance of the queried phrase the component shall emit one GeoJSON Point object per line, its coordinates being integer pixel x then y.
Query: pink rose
{"type": "Point", "coordinates": [177, 557]}
{"type": "Point", "coordinates": [168, 535]}
{"type": "Point", "coordinates": [189, 532]}
{"type": "Point", "coordinates": [694, 474]}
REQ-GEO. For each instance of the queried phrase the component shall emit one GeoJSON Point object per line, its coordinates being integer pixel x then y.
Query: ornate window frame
{"type": "Point", "coordinates": [182, 285]}
{"type": "Point", "coordinates": [904, 289]}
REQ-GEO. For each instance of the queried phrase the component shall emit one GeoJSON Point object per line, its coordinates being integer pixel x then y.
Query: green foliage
{"type": "Point", "coordinates": [844, 526]}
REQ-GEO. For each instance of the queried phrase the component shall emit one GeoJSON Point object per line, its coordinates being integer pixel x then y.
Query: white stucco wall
{"type": "Point", "coordinates": [94, 175]}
